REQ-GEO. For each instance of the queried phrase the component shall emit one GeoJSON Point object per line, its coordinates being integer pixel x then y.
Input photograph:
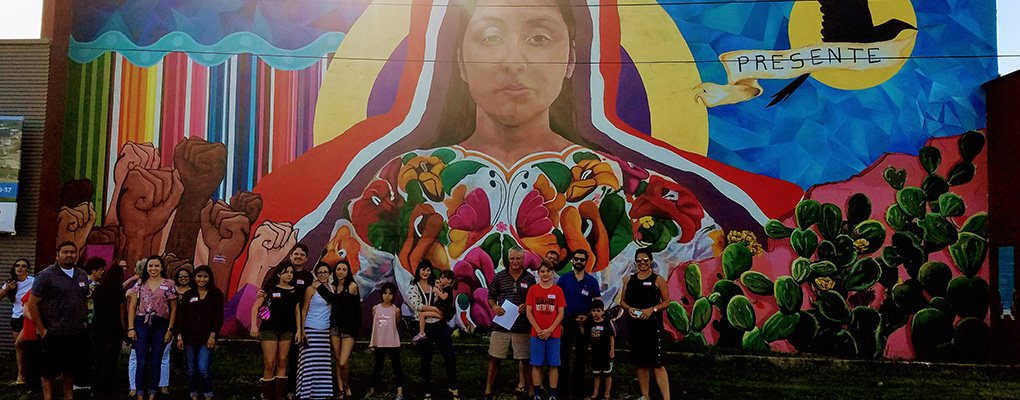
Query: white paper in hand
{"type": "Point", "coordinates": [507, 320]}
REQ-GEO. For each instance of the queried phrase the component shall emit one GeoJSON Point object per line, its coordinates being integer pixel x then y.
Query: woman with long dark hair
{"type": "Point", "coordinates": [109, 321]}
{"type": "Point", "coordinates": [279, 329]}
{"type": "Point", "coordinates": [424, 294]}
{"type": "Point", "coordinates": [14, 289]}
{"type": "Point", "coordinates": [152, 303]}
{"type": "Point", "coordinates": [345, 320]}
{"type": "Point", "coordinates": [314, 370]}
{"type": "Point", "coordinates": [200, 320]}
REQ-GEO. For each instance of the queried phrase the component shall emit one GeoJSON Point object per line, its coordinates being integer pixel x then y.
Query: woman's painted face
{"type": "Point", "coordinates": [202, 279]}
{"type": "Point", "coordinates": [153, 267]}
{"type": "Point", "coordinates": [21, 269]}
{"type": "Point", "coordinates": [322, 274]}
{"type": "Point", "coordinates": [341, 271]}
{"type": "Point", "coordinates": [514, 59]}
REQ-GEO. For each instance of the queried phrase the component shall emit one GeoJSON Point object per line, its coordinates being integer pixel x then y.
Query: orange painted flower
{"type": "Point", "coordinates": [423, 240]}
{"type": "Point", "coordinates": [345, 247]}
{"type": "Point", "coordinates": [553, 201]}
{"type": "Point", "coordinates": [583, 229]}
{"type": "Point", "coordinates": [425, 170]}
{"type": "Point", "coordinates": [589, 174]}
{"type": "Point", "coordinates": [718, 242]}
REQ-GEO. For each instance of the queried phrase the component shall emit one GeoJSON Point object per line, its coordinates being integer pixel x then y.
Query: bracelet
{"type": "Point", "coordinates": [130, 329]}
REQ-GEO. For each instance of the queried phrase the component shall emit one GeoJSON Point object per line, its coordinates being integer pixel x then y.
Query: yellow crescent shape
{"type": "Point", "coordinates": [343, 96]}
{"type": "Point", "coordinates": [650, 34]}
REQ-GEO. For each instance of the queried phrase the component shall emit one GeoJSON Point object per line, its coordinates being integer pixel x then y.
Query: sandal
{"type": "Point", "coordinates": [455, 394]}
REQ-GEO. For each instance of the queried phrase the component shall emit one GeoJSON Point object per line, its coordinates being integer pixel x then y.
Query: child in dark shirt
{"type": "Point", "coordinates": [443, 308]}
{"type": "Point", "coordinates": [601, 336]}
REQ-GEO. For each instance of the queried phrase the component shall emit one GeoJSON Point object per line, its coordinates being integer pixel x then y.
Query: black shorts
{"type": "Point", "coordinates": [17, 324]}
{"type": "Point", "coordinates": [601, 365]}
{"type": "Point", "coordinates": [64, 354]}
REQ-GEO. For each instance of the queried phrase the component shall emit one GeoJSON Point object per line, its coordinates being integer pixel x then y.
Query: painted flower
{"type": "Point", "coordinates": [469, 219]}
{"type": "Point", "coordinates": [473, 275]}
{"type": "Point", "coordinates": [748, 239]}
{"type": "Point", "coordinates": [824, 283]}
{"type": "Point", "coordinates": [343, 247]}
{"type": "Point", "coordinates": [861, 245]}
{"type": "Point", "coordinates": [425, 170]}
{"type": "Point", "coordinates": [423, 240]}
{"type": "Point", "coordinates": [589, 174]}
{"type": "Point", "coordinates": [533, 225]}
{"type": "Point", "coordinates": [377, 202]}
{"type": "Point", "coordinates": [667, 199]}
{"type": "Point", "coordinates": [632, 174]}
{"type": "Point", "coordinates": [583, 229]}
{"type": "Point", "coordinates": [553, 201]}
{"type": "Point", "coordinates": [718, 242]}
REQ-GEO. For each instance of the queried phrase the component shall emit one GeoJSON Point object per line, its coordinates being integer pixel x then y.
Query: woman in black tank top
{"type": "Point", "coordinates": [645, 296]}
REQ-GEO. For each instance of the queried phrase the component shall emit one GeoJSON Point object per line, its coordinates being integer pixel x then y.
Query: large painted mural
{"type": "Point", "coordinates": [809, 175]}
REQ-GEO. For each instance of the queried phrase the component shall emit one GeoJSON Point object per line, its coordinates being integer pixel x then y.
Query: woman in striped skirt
{"type": "Point", "coordinates": [315, 368]}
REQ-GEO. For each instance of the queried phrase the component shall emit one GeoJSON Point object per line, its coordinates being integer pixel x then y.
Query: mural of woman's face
{"type": "Point", "coordinates": [514, 59]}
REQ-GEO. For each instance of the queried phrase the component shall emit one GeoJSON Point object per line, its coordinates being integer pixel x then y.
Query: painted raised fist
{"type": "Point", "coordinates": [202, 166]}
{"type": "Point", "coordinates": [146, 200]}
{"type": "Point", "coordinates": [225, 230]}
{"type": "Point", "coordinates": [131, 155]}
{"type": "Point", "coordinates": [75, 223]}
{"type": "Point", "coordinates": [269, 246]}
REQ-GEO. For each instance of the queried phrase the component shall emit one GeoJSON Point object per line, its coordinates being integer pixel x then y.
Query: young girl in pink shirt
{"type": "Point", "coordinates": [385, 339]}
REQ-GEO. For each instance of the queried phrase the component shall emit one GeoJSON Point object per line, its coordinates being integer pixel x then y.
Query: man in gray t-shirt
{"type": "Point", "coordinates": [58, 308]}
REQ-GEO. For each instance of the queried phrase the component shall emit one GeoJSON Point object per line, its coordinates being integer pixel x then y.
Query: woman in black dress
{"type": "Point", "coordinates": [279, 329]}
{"type": "Point", "coordinates": [645, 296]}
{"type": "Point", "coordinates": [345, 320]}
{"type": "Point", "coordinates": [109, 321]}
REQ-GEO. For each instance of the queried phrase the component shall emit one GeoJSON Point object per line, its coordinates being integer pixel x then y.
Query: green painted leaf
{"type": "Point", "coordinates": [871, 231]}
{"type": "Point", "coordinates": [754, 341]}
{"type": "Point", "coordinates": [640, 188]}
{"type": "Point", "coordinates": [930, 158]}
{"type": "Point", "coordinates": [808, 213]}
{"type": "Point", "coordinates": [557, 173]}
{"type": "Point", "coordinates": [804, 242]}
{"type": "Point", "coordinates": [455, 172]}
{"type": "Point", "coordinates": [864, 274]}
{"type": "Point", "coordinates": [951, 205]}
{"type": "Point", "coordinates": [934, 277]}
{"type": "Point", "coordinates": [678, 317]}
{"type": "Point", "coordinates": [832, 306]}
{"type": "Point", "coordinates": [846, 252]}
{"type": "Point", "coordinates": [858, 209]}
{"type": "Point", "coordinates": [969, 253]}
{"type": "Point", "coordinates": [736, 259]}
{"type": "Point", "coordinates": [911, 200]}
{"type": "Point", "coordinates": [823, 268]}
{"type": "Point", "coordinates": [779, 326]}
{"type": "Point", "coordinates": [830, 221]}
{"type": "Point", "coordinates": [934, 185]}
{"type": "Point", "coordinates": [969, 296]}
{"type": "Point", "coordinates": [895, 177]}
{"type": "Point", "coordinates": [971, 144]}
{"type": "Point", "coordinates": [727, 289]}
{"type": "Point", "coordinates": [740, 313]}
{"type": "Point", "coordinates": [896, 218]}
{"type": "Point", "coordinates": [776, 230]}
{"type": "Point", "coordinates": [977, 224]}
{"type": "Point", "coordinates": [909, 296]}
{"type": "Point", "coordinates": [938, 230]}
{"type": "Point", "coordinates": [757, 282]}
{"type": "Point", "coordinates": [961, 173]}
{"type": "Point", "coordinates": [407, 157]}
{"type": "Point", "coordinates": [800, 269]}
{"type": "Point", "coordinates": [701, 314]}
{"type": "Point", "coordinates": [692, 280]}
{"type": "Point", "coordinates": [493, 246]}
{"type": "Point", "coordinates": [613, 212]}
{"type": "Point", "coordinates": [445, 155]}
{"type": "Point", "coordinates": [585, 155]}
{"type": "Point", "coordinates": [788, 295]}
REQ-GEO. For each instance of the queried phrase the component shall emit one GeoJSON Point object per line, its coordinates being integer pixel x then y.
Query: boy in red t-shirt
{"type": "Point", "coordinates": [545, 306]}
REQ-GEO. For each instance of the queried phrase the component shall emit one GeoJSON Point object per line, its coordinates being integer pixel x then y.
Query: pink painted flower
{"type": "Point", "coordinates": [474, 273]}
{"type": "Point", "coordinates": [469, 219]}
{"type": "Point", "coordinates": [502, 227]}
{"type": "Point", "coordinates": [632, 174]}
{"type": "Point", "coordinates": [533, 218]}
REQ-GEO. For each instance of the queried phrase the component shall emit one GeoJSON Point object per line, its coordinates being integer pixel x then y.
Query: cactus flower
{"type": "Point", "coordinates": [824, 283]}
{"type": "Point", "coordinates": [646, 222]}
{"type": "Point", "coordinates": [861, 244]}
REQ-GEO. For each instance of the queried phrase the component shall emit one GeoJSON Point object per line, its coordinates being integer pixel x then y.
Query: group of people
{"type": "Point", "coordinates": [305, 319]}
{"type": "Point", "coordinates": [70, 323]}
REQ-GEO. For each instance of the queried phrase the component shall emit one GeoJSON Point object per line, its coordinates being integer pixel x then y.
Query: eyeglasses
{"type": "Point", "coordinates": [322, 273]}
{"type": "Point", "coordinates": [643, 260]}
{"type": "Point", "coordinates": [183, 277]}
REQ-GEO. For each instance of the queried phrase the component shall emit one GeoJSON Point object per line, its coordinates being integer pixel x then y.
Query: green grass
{"type": "Point", "coordinates": [237, 366]}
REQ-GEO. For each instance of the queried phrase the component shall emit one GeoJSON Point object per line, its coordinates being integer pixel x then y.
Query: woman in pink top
{"type": "Point", "coordinates": [385, 339]}
{"type": "Point", "coordinates": [152, 302]}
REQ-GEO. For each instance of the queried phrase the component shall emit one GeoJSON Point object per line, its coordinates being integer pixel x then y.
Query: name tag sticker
{"type": "Point", "coordinates": [163, 287]}
{"type": "Point", "coordinates": [647, 283]}
{"type": "Point", "coordinates": [551, 296]}
{"type": "Point", "coordinates": [598, 328]}
{"type": "Point", "coordinates": [81, 284]}
{"type": "Point", "coordinates": [300, 281]}
{"type": "Point", "coordinates": [194, 300]}
{"type": "Point", "coordinates": [277, 295]}
{"type": "Point", "coordinates": [584, 292]}
{"type": "Point", "coordinates": [524, 285]}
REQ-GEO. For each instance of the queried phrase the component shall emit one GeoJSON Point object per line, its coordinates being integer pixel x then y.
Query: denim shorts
{"type": "Point", "coordinates": [545, 352]}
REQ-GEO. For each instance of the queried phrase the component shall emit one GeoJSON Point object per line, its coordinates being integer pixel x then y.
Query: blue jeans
{"type": "Point", "coordinates": [149, 351]}
{"type": "Point", "coordinates": [199, 374]}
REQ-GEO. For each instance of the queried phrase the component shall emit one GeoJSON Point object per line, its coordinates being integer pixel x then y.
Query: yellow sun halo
{"type": "Point", "coordinates": [805, 29]}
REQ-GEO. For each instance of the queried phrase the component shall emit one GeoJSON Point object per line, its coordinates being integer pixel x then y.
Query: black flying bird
{"type": "Point", "coordinates": [847, 21]}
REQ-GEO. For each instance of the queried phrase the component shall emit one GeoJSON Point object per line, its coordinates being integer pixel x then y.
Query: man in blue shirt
{"type": "Point", "coordinates": [579, 289]}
